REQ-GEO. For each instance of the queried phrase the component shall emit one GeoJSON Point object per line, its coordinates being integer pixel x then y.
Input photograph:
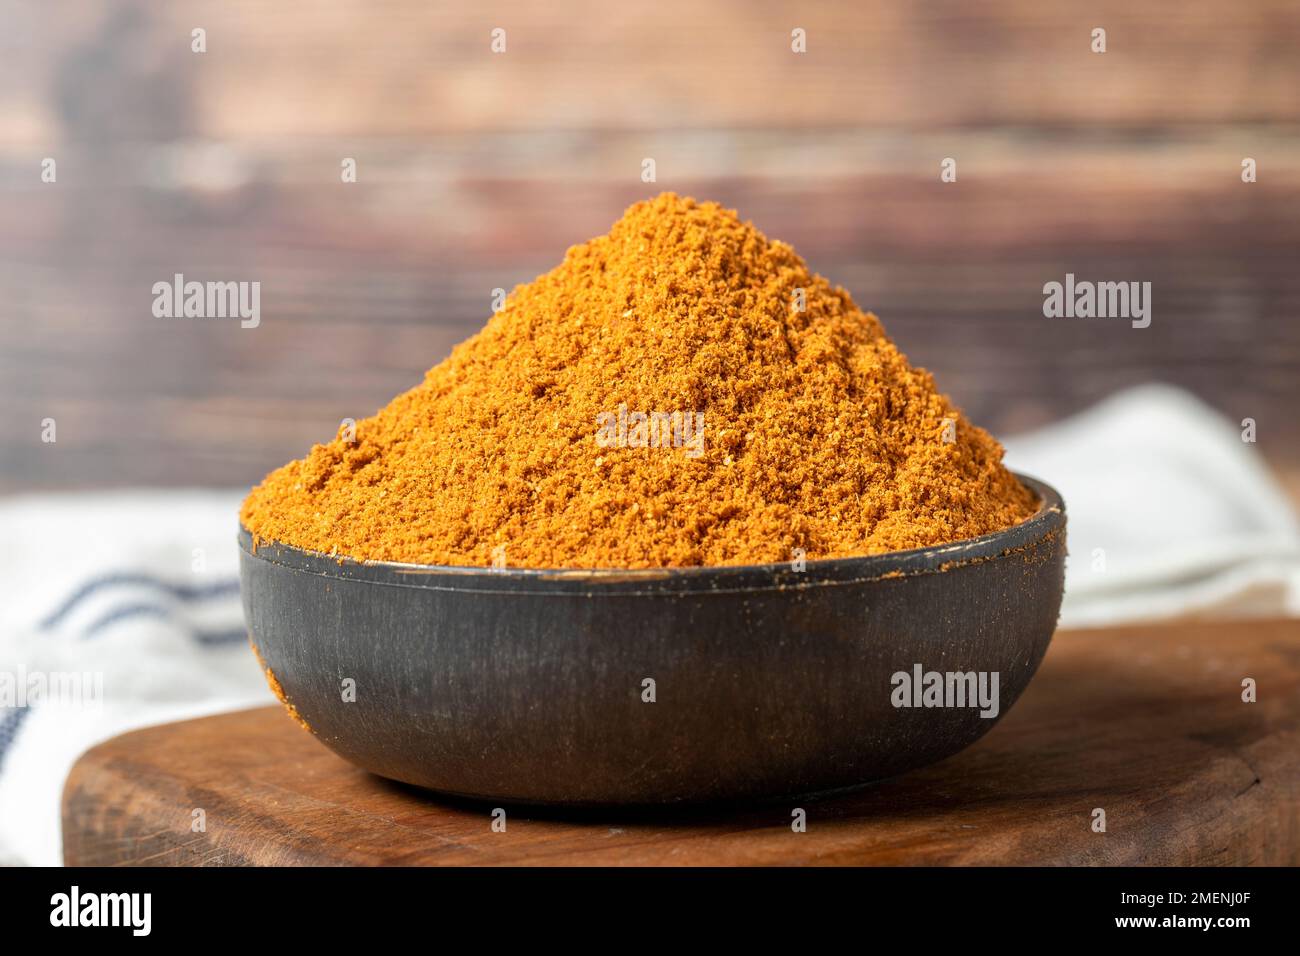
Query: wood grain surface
{"type": "Point", "coordinates": [1146, 723]}
{"type": "Point", "coordinates": [476, 171]}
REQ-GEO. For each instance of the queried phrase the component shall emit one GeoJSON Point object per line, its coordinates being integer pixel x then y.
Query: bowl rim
{"type": "Point", "coordinates": [1045, 522]}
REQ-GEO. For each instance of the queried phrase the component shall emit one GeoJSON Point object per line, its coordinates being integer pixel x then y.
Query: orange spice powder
{"type": "Point", "coordinates": [681, 391]}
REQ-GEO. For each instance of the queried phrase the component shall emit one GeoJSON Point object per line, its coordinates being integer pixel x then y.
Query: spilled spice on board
{"type": "Point", "coordinates": [682, 391]}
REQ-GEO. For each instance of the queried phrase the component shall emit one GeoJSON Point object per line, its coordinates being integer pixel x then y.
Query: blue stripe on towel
{"type": "Point", "coordinates": [181, 592]}
{"type": "Point", "coordinates": [125, 611]}
{"type": "Point", "coordinates": [11, 719]}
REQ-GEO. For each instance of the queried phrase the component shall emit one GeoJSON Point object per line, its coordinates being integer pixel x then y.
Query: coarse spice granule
{"type": "Point", "coordinates": [527, 446]}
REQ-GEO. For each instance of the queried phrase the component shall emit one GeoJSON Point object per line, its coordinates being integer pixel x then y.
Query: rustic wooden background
{"type": "Point", "coordinates": [476, 170]}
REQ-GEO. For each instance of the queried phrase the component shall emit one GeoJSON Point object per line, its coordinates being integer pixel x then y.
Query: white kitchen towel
{"type": "Point", "coordinates": [122, 610]}
{"type": "Point", "coordinates": [1170, 512]}
{"type": "Point", "coordinates": [128, 602]}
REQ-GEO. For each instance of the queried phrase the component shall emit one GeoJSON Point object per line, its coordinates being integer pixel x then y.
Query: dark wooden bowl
{"type": "Point", "coordinates": [528, 686]}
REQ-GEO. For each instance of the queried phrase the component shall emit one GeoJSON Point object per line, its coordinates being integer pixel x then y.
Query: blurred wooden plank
{"type": "Point", "coordinates": [484, 197]}
{"type": "Point", "coordinates": [119, 69]}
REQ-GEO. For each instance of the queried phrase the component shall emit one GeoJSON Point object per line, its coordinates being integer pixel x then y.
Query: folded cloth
{"type": "Point", "coordinates": [124, 607]}
{"type": "Point", "coordinates": [123, 611]}
{"type": "Point", "coordinates": [1170, 511]}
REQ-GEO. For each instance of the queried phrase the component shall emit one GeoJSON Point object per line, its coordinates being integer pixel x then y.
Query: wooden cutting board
{"type": "Point", "coordinates": [1145, 723]}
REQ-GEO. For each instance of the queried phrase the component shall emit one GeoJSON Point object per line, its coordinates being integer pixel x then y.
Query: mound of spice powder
{"type": "Point", "coordinates": [682, 391]}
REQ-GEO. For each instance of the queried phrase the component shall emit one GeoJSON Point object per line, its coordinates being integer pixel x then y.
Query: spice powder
{"type": "Point", "coordinates": [682, 391]}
